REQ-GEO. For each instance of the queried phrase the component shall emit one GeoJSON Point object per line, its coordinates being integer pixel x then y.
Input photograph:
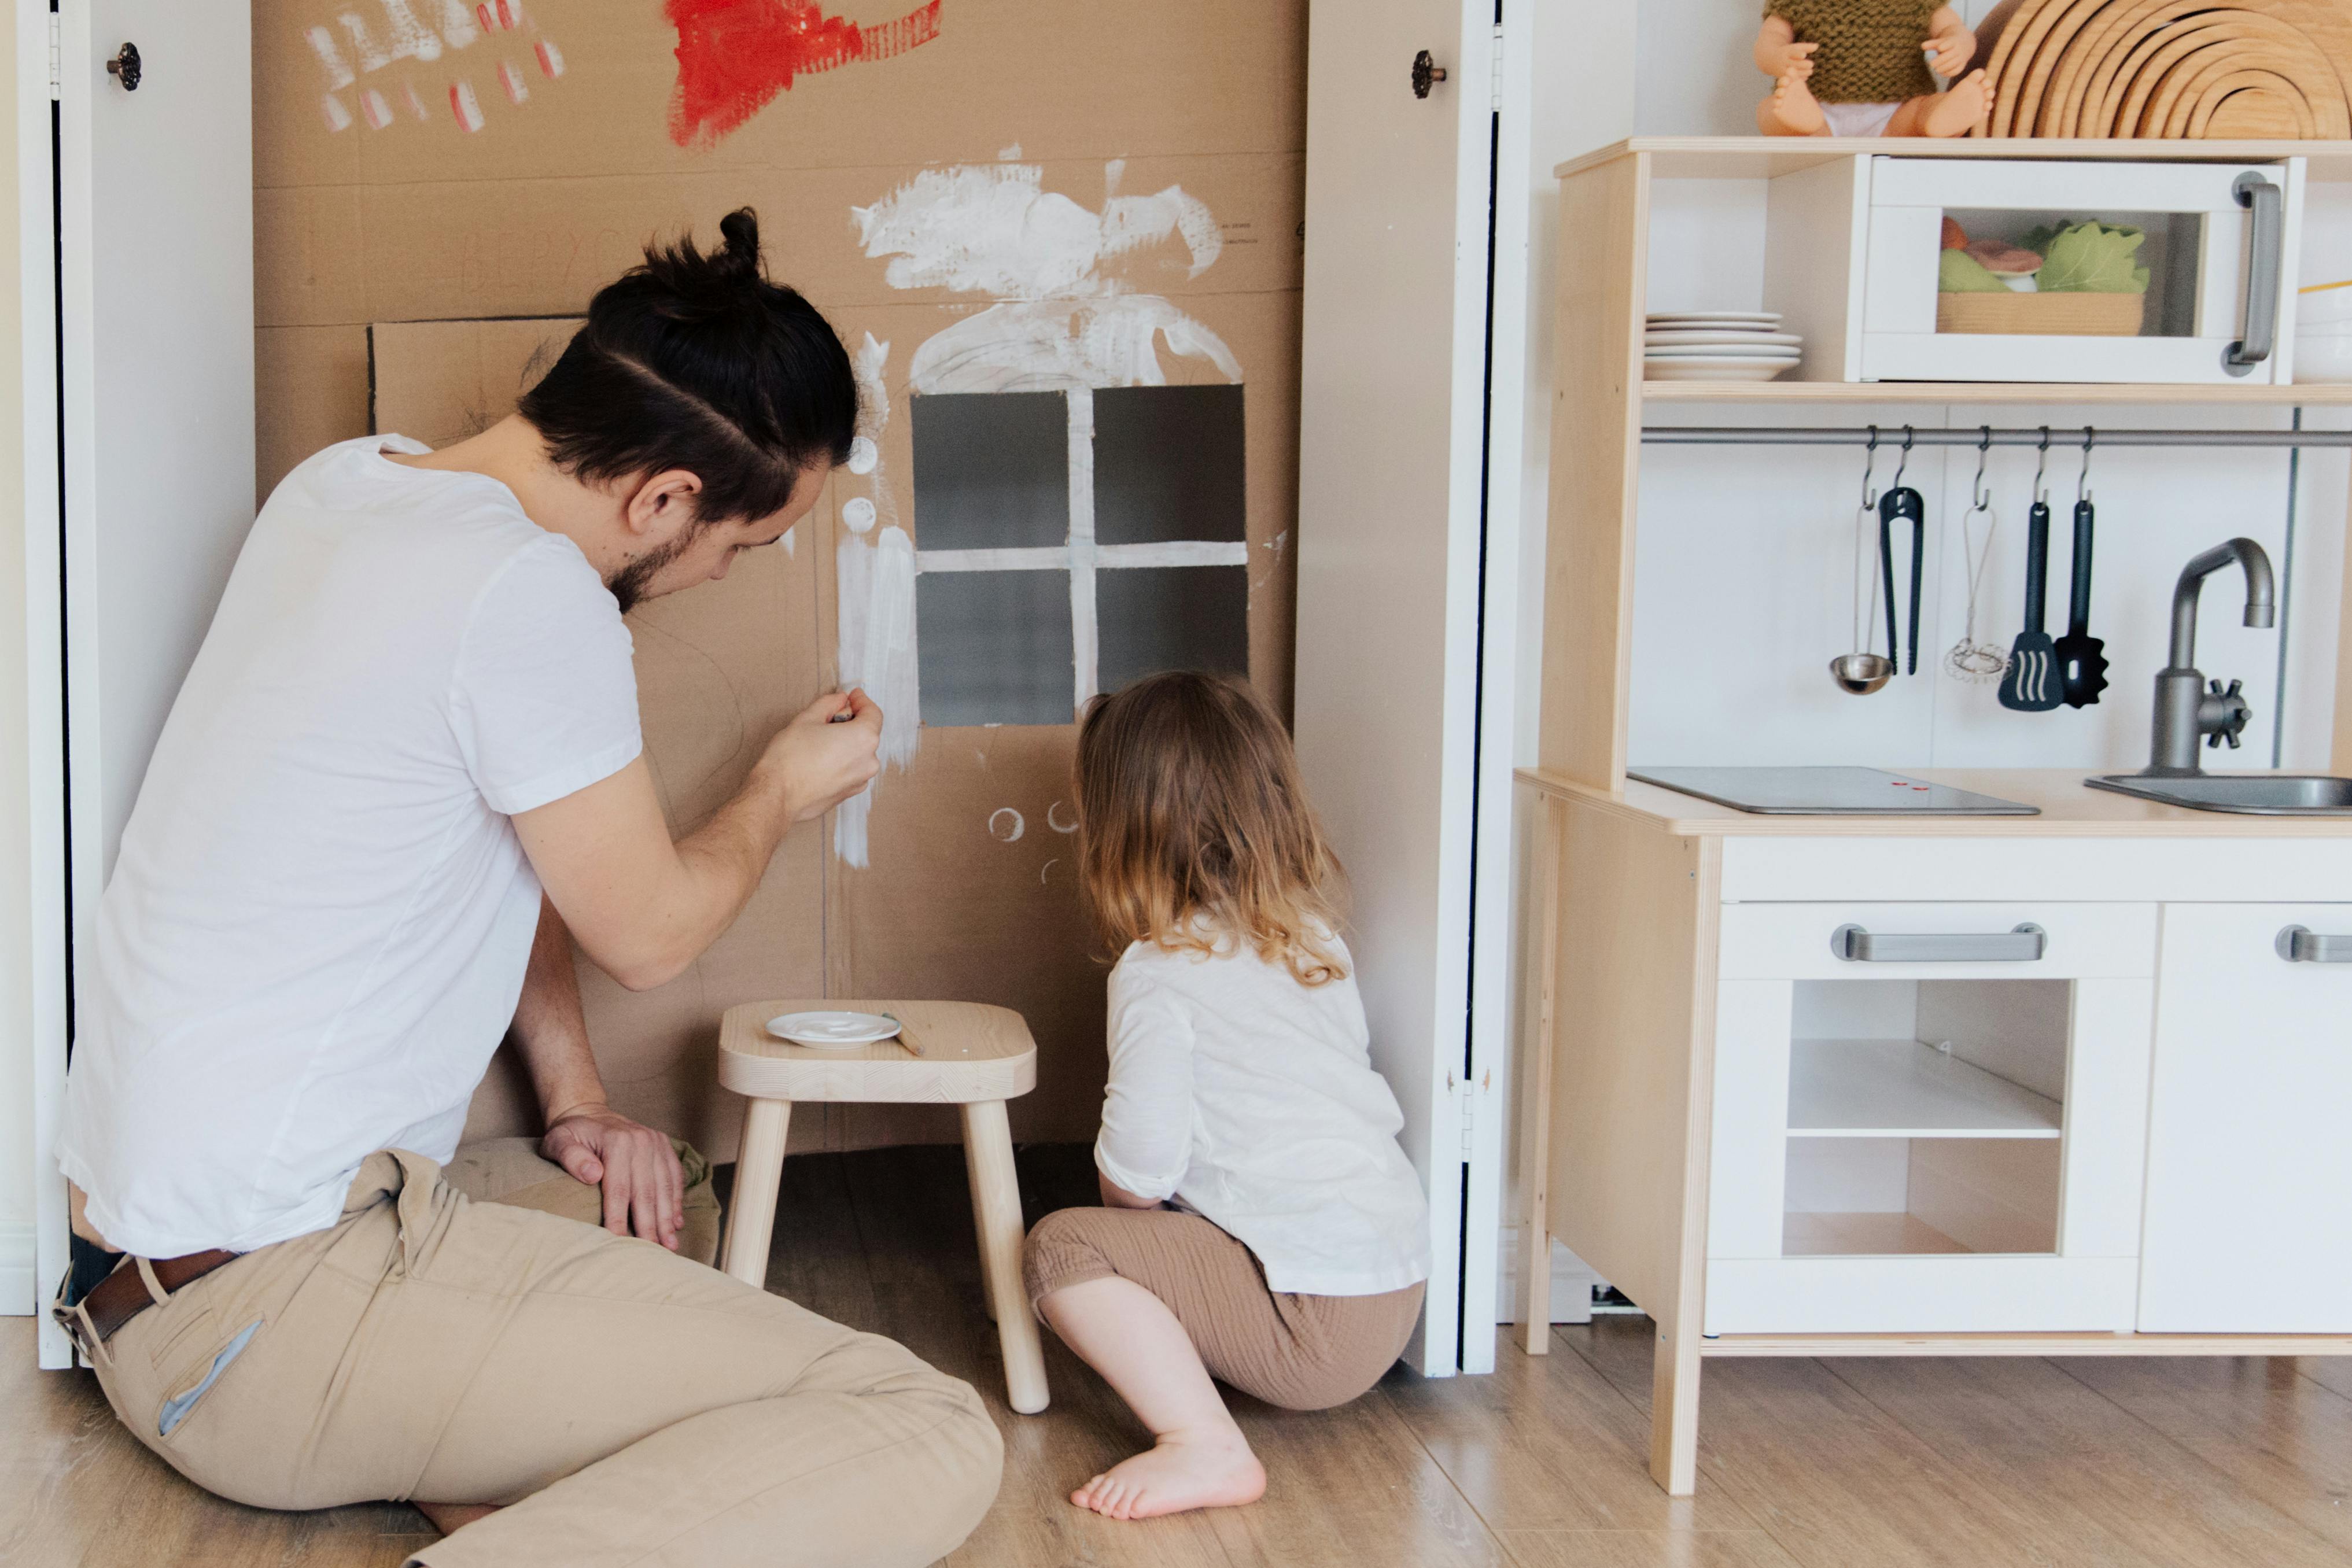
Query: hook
{"type": "Point", "coordinates": [2083, 480]}
{"type": "Point", "coordinates": [1906, 460]}
{"type": "Point", "coordinates": [2041, 463]}
{"type": "Point", "coordinates": [1869, 462]}
{"type": "Point", "coordinates": [1980, 498]}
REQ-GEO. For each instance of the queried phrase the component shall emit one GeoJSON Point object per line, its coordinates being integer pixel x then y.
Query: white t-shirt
{"type": "Point", "coordinates": [1250, 1099]}
{"type": "Point", "coordinates": [317, 929]}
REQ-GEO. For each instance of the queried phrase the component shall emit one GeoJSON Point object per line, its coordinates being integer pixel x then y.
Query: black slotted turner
{"type": "Point", "coordinates": [2082, 659]}
{"type": "Point", "coordinates": [2032, 683]}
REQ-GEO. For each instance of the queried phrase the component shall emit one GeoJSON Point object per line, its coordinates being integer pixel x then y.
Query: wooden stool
{"type": "Point", "coordinates": [971, 1056]}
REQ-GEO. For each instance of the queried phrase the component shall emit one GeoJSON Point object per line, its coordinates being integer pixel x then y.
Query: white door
{"type": "Point", "coordinates": [1392, 433]}
{"type": "Point", "coordinates": [156, 285]}
{"type": "Point", "coordinates": [2250, 1167]}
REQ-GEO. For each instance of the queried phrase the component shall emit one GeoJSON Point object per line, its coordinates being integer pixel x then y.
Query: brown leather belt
{"type": "Point", "coordinates": [122, 1295]}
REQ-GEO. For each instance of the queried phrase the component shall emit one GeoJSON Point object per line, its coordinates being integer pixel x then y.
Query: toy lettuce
{"type": "Point", "coordinates": [2089, 257]}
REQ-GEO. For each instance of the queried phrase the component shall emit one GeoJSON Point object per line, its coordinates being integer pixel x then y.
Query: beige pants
{"type": "Point", "coordinates": [1299, 1351]}
{"type": "Point", "coordinates": [631, 1405]}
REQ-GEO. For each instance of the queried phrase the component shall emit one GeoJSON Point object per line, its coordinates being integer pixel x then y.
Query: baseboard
{"type": "Point", "coordinates": [17, 1296]}
{"type": "Point", "coordinates": [1571, 1282]}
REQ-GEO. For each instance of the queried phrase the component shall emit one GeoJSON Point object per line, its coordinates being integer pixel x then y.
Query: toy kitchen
{"type": "Point", "coordinates": [1944, 947]}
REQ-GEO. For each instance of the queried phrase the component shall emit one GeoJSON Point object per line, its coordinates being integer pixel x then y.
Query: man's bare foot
{"type": "Point", "coordinates": [1181, 1471]}
{"type": "Point", "coordinates": [1959, 108]}
{"type": "Point", "coordinates": [449, 1518]}
{"type": "Point", "coordinates": [1791, 111]}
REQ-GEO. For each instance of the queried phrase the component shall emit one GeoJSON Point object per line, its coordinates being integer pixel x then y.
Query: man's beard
{"type": "Point", "coordinates": [628, 584]}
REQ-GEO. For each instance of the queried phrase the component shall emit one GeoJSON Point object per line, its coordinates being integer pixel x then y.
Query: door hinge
{"type": "Point", "coordinates": [1495, 100]}
{"type": "Point", "coordinates": [57, 65]}
{"type": "Point", "coordinates": [1466, 1100]}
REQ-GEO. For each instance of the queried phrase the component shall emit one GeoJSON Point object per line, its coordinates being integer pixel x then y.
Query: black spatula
{"type": "Point", "coordinates": [2081, 662]}
{"type": "Point", "coordinates": [2032, 683]}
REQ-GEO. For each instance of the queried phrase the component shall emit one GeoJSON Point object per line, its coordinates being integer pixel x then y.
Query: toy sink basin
{"type": "Point", "coordinates": [2255, 794]}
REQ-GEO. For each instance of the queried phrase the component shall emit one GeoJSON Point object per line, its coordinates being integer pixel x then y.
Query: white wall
{"type": "Point", "coordinates": [16, 1294]}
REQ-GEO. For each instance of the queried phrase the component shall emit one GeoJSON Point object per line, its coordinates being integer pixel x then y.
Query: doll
{"type": "Point", "coordinates": [1872, 79]}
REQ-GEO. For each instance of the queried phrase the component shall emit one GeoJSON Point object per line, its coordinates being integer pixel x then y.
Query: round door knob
{"type": "Point", "coordinates": [1425, 71]}
{"type": "Point", "coordinates": [124, 67]}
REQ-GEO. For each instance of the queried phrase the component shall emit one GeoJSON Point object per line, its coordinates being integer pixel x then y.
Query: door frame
{"type": "Point", "coordinates": [45, 960]}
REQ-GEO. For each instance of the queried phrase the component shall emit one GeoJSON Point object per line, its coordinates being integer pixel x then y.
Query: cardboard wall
{"type": "Point", "coordinates": [411, 271]}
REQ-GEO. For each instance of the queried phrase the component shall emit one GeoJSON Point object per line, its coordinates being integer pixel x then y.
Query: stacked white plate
{"type": "Point", "coordinates": [1716, 346]}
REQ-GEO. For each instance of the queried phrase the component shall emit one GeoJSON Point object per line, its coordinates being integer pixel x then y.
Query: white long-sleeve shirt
{"type": "Point", "coordinates": [1250, 1099]}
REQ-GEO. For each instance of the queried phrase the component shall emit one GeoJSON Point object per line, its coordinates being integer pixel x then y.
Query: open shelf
{"type": "Point", "coordinates": [1750, 157]}
{"type": "Point", "coordinates": [2309, 395]}
{"type": "Point", "coordinates": [1902, 1089]}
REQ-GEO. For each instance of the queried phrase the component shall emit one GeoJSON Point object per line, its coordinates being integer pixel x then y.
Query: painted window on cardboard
{"type": "Point", "coordinates": [1070, 542]}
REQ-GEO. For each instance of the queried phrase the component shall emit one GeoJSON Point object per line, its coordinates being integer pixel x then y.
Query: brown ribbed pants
{"type": "Point", "coordinates": [1298, 1351]}
{"type": "Point", "coordinates": [632, 1406]}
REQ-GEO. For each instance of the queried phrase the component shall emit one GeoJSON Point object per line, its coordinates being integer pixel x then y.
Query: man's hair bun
{"type": "Point", "coordinates": [696, 360]}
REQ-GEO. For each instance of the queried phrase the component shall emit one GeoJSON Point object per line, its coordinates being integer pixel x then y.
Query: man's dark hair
{"type": "Point", "coordinates": [699, 363]}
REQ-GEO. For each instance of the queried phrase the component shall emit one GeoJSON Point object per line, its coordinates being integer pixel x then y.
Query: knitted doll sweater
{"type": "Point", "coordinates": [1870, 49]}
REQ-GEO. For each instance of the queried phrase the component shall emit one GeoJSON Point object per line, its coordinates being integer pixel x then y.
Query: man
{"type": "Point", "coordinates": [402, 775]}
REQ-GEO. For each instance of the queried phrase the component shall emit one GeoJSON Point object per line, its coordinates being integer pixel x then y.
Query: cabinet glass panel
{"type": "Point", "coordinates": [2069, 274]}
{"type": "Point", "coordinates": [1925, 1116]}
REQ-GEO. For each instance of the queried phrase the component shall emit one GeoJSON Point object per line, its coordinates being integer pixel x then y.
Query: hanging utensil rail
{"type": "Point", "coordinates": [1971, 435]}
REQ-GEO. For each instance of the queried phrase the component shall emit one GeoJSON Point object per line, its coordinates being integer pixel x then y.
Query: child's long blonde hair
{"type": "Point", "coordinates": [1192, 826]}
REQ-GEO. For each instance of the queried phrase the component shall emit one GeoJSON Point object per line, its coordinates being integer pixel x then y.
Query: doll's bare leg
{"type": "Point", "coordinates": [1955, 111]}
{"type": "Point", "coordinates": [1791, 111]}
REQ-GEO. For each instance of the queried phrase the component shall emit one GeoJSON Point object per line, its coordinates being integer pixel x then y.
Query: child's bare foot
{"type": "Point", "coordinates": [1181, 1471]}
{"type": "Point", "coordinates": [1959, 108]}
{"type": "Point", "coordinates": [1791, 111]}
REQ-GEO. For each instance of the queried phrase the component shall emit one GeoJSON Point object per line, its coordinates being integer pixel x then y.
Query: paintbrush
{"type": "Point", "coordinates": [905, 1041]}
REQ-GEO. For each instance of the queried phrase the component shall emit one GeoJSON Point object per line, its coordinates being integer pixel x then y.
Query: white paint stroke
{"type": "Point", "coordinates": [1006, 825]}
{"type": "Point", "coordinates": [551, 58]}
{"type": "Point", "coordinates": [1084, 636]}
{"type": "Point", "coordinates": [1024, 558]}
{"type": "Point", "coordinates": [1049, 866]}
{"type": "Point", "coordinates": [1174, 553]}
{"type": "Point", "coordinates": [337, 117]}
{"type": "Point", "coordinates": [323, 44]}
{"type": "Point", "coordinates": [455, 20]}
{"type": "Point", "coordinates": [982, 228]}
{"type": "Point", "coordinates": [1053, 819]}
{"type": "Point", "coordinates": [863, 454]}
{"type": "Point", "coordinates": [373, 107]}
{"type": "Point", "coordinates": [857, 513]}
{"type": "Point", "coordinates": [1048, 345]}
{"type": "Point", "coordinates": [415, 103]}
{"type": "Point", "coordinates": [875, 591]}
{"type": "Point", "coordinates": [466, 106]}
{"type": "Point", "coordinates": [517, 89]}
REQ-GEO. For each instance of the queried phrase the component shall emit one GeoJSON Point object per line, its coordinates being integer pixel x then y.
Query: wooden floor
{"type": "Point", "coordinates": [1846, 1464]}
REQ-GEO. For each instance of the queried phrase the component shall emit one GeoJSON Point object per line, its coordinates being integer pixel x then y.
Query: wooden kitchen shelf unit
{"type": "Point", "coordinates": [1633, 886]}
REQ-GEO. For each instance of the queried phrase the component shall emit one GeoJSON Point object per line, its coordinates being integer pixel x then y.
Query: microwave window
{"type": "Point", "coordinates": [2069, 274]}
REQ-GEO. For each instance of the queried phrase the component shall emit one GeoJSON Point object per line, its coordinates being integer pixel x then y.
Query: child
{"type": "Point", "coordinates": [1259, 1221]}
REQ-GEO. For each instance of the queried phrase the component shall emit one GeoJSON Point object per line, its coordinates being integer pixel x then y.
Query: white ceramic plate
{"type": "Point", "coordinates": [1728, 317]}
{"type": "Point", "coordinates": [1692, 338]}
{"type": "Point", "coordinates": [831, 1030]}
{"type": "Point", "coordinates": [1722, 352]}
{"type": "Point", "coordinates": [1714, 370]}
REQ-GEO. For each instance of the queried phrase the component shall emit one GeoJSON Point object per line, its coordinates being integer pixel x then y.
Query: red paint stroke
{"type": "Point", "coordinates": [734, 56]}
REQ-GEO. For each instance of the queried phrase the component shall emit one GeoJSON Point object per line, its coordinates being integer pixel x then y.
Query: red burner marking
{"type": "Point", "coordinates": [734, 56]}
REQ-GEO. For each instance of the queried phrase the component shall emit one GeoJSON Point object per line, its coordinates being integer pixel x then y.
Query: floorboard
{"type": "Point", "coordinates": [1803, 1464]}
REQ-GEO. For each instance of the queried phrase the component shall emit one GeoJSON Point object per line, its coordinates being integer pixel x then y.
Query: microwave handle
{"type": "Point", "coordinates": [2266, 257]}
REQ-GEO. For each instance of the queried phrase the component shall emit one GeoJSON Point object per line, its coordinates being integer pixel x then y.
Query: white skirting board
{"type": "Point", "coordinates": [1571, 1282]}
{"type": "Point", "coordinates": [17, 1295]}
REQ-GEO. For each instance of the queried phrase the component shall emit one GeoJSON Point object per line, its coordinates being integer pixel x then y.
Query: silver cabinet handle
{"type": "Point", "coordinates": [2263, 263]}
{"type": "Point", "coordinates": [2301, 945]}
{"type": "Point", "coordinates": [2022, 945]}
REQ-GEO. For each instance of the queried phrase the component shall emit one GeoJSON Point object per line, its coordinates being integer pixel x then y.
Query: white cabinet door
{"type": "Point", "coordinates": [155, 284]}
{"type": "Point", "coordinates": [2249, 1223]}
{"type": "Point", "coordinates": [1390, 483]}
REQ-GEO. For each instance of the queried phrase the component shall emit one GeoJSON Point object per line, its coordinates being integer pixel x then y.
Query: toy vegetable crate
{"type": "Point", "coordinates": [2038, 270]}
